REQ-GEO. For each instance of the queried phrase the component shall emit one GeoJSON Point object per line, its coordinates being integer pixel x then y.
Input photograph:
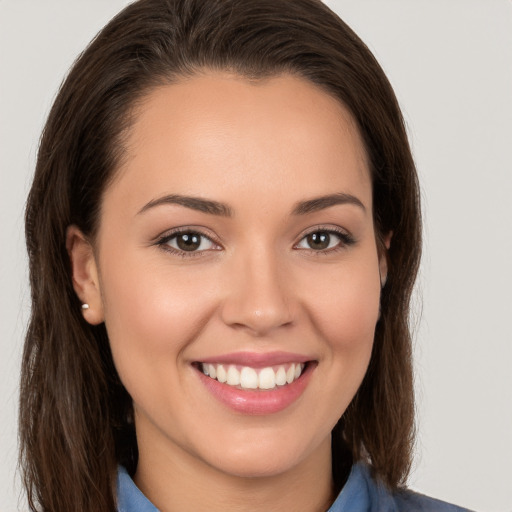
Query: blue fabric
{"type": "Point", "coordinates": [129, 496]}
{"type": "Point", "coordinates": [360, 494]}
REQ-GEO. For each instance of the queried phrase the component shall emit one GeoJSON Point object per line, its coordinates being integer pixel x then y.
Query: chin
{"type": "Point", "coordinates": [268, 457]}
{"type": "Point", "coordinates": [257, 466]}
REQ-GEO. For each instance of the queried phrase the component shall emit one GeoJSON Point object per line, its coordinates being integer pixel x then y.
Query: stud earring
{"type": "Point", "coordinates": [85, 306]}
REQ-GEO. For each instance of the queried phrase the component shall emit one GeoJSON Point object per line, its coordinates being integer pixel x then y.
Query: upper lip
{"type": "Point", "coordinates": [257, 359]}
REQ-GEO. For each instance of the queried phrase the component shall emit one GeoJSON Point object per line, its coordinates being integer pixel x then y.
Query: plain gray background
{"type": "Point", "coordinates": [450, 62]}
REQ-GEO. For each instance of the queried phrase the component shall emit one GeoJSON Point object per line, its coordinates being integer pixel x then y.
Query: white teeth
{"type": "Point", "coordinates": [267, 379]}
{"type": "Point", "coordinates": [290, 374]}
{"type": "Point", "coordinates": [233, 376]}
{"type": "Point", "coordinates": [250, 378]}
{"type": "Point", "coordinates": [212, 372]}
{"type": "Point", "coordinates": [281, 376]}
{"type": "Point", "coordinates": [221, 374]}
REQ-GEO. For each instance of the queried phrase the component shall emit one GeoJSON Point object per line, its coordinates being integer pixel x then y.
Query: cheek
{"type": "Point", "coordinates": [150, 314]}
{"type": "Point", "coordinates": [345, 307]}
{"type": "Point", "coordinates": [345, 314]}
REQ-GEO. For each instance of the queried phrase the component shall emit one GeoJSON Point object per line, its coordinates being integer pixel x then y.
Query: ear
{"type": "Point", "coordinates": [84, 272]}
{"type": "Point", "coordinates": [383, 258]}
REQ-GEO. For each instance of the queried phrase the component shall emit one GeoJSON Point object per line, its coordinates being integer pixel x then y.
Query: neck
{"type": "Point", "coordinates": [174, 480]}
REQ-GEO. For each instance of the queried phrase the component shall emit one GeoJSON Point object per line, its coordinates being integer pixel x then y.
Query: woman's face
{"type": "Point", "coordinates": [237, 241]}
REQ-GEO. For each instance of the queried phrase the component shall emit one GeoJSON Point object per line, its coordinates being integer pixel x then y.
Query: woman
{"type": "Point", "coordinates": [223, 232]}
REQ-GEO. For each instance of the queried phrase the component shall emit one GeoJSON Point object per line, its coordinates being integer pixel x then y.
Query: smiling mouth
{"type": "Point", "coordinates": [247, 377]}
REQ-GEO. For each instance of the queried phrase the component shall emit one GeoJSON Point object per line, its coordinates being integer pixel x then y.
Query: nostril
{"type": "Point", "coordinates": [259, 321]}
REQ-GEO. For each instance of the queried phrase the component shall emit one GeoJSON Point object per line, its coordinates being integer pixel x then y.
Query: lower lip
{"type": "Point", "coordinates": [261, 401]}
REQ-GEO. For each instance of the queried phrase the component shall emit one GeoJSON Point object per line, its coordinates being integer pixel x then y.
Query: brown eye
{"type": "Point", "coordinates": [324, 240]}
{"type": "Point", "coordinates": [189, 241]}
{"type": "Point", "coordinates": [319, 240]}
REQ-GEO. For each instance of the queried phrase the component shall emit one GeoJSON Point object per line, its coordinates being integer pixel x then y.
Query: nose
{"type": "Point", "coordinates": [258, 299]}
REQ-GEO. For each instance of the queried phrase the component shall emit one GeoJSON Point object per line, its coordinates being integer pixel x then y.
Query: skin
{"type": "Point", "coordinates": [260, 148]}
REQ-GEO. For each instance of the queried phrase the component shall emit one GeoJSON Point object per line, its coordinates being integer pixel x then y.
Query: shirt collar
{"type": "Point", "coordinates": [356, 495]}
{"type": "Point", "coordinates": [129, 496]}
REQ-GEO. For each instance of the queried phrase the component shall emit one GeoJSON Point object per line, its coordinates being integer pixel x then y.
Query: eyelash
{"type": "Point", "coordinates": [345, 238]}
{"type": "Point", "coordinates": [164, 240]}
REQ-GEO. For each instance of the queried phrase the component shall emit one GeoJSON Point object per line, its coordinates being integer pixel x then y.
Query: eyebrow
{"type": "Point", "coordinates": [194, 203]}
{"type": "Point", "coordinates": [215, 208]}
{"type": "Point", "coordinates": [320, 203]}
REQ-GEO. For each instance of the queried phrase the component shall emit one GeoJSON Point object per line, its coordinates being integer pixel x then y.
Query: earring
{"type": "Point", "coordinates": [85, 306]}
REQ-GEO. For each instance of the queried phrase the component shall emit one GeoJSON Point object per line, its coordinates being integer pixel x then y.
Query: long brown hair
{"type": "Point", "coordinates": [75, 415]}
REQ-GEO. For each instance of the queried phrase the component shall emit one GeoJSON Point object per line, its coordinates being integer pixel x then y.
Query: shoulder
{"type": "Point", "coordinates": [362, 493]}
{"type": "Point", "coordinates": [407, 500]}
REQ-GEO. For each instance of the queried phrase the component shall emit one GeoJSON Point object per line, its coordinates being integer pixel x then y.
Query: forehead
{"type": "Point", "coordinates": [214, 132]}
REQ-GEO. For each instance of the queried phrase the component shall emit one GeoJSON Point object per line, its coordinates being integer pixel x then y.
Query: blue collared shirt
{"type": "Point", "coordinates": [361, 493]}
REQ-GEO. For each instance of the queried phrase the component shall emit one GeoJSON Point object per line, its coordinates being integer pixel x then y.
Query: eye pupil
{"type": "Point", "coordinates": [188, 241]}
{"type": "Point", "coordinates": [319, 240]}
